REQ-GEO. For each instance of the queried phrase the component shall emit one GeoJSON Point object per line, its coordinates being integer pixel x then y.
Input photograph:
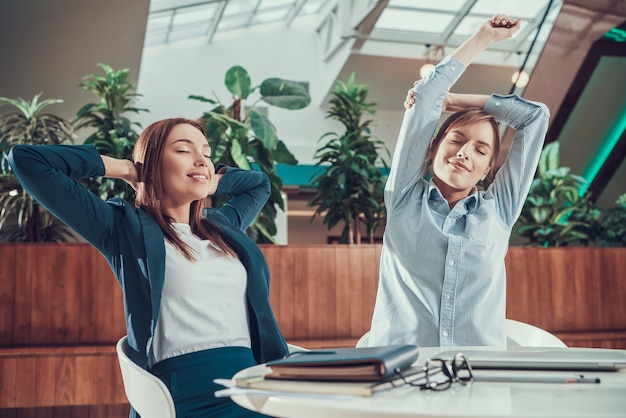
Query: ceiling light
{"type": "Point", "coordinates": [426, 69]}
{"type": "Point", "coordinates": [520, 79]}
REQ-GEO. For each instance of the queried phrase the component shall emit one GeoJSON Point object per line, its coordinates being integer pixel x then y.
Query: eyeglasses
{"type": "Point", "coordinates": [440, 374]}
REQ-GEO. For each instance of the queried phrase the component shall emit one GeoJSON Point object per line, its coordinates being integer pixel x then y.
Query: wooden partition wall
{"type": "Point", "coordinates": [61, 309]}
{"type": "Point", "coordinates": [56, 295]}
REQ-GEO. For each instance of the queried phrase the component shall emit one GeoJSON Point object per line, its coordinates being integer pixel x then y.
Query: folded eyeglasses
{"type": "Point", "coordinates": [439, 374]}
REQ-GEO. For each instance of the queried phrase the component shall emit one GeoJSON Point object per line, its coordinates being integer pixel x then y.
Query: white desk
{"type": "Point", "coordinates": [481, 399]}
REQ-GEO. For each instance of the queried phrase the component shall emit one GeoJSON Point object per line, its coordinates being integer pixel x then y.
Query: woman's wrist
{"type": "Point", "coordinates": [119, 169]}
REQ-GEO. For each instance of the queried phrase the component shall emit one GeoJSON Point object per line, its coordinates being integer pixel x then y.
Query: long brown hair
{"type": "Point", "coordinates": [148, 154]}
{"type": "Point", "coordinates": [463, 118]}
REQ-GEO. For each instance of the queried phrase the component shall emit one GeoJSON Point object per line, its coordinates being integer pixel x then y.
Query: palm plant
{"type": "Point", "coordinates": [241, 135]}
{"type": "Point", "coordinates": [350, 189]}
{"type": "Point", "coordinates": [28, 125]}
{"type": "Point", "coordinates": [114, 133]}
{"type": "Point", "coordinates": [557, 212]}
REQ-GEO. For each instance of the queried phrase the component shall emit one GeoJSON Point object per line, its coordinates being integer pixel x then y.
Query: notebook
{"type": "Point", "coordinates": [544, 359]}
{"type": "Point", "coordinates": [412, 374]}
{"type": "Point", "coordinates": [363, 363]}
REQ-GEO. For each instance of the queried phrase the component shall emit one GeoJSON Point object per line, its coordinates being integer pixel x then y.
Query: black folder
{"type": "Point", "coordinates": [345, 364]}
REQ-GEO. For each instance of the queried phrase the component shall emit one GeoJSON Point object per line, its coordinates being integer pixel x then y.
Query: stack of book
{"type": "Point", "coordinates": [343, 371]}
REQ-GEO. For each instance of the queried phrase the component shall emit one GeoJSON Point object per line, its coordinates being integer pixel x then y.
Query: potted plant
{"type": "Point", "coordinates": [613, 221]}
{"type": "Point", "coordinates": [558, 211]}
{"type": "Point", "coordinates": [28, 221]}
{"type": "Point", "coordinates": [350, 187]}
{"type": "Point", "coordinates": [242, 136]}
{"type": "Point", "coordinates": [114, 133]}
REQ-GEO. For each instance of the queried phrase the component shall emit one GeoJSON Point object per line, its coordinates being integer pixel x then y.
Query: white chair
{"type": "Point", "coordinates": [292, 348]}
{"type": "Point", "coordinates": [527, 335]}
{"type": "Point", "coordinates": [518, 334]}
{"type": "Point", "coordinates": [146, 393]}
{"type": "Point", "coordinates": [363, 340]}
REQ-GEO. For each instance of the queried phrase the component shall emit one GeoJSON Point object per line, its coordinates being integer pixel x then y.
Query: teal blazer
{"type": "Point", "coordinates": [133, 244]}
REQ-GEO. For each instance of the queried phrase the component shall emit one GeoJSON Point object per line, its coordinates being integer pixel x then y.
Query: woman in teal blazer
{"type": "Point", "coordinates": [133, 240]}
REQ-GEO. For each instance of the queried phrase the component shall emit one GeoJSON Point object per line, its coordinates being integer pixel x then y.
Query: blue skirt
{"type": "Point", "coordinates": [189, 378]}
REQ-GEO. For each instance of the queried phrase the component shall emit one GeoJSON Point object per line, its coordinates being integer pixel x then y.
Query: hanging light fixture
{"type": "Point", "coordinates": [426, 69]}
{"type": "Point", "coordinates": [520, 77]}
{"type": "Point", "coordinates": [436, 54]}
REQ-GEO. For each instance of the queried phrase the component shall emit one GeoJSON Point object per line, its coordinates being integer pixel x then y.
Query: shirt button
{"type": "Point", "coordinates": [451, 262]}
{"type": "Point", "coordinates": [453, 68]}
{"type": "Point", "coordinates": [448, 296]}
{"type": "Point", "coordinates": [497, 103]}
{"type": "Point", "coordinates": [445, 333]}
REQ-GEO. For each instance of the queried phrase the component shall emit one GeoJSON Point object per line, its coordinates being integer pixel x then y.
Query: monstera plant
{"type": "Point", "coordinates": [21, 217]}
{"type": "Point", "coordinates": [241, 135]}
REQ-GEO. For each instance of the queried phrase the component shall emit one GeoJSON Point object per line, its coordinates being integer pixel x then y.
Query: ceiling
{"type": "Point", "coordinates": [437, 26]}
{"type": "Point", "coordinates": [382, 37]}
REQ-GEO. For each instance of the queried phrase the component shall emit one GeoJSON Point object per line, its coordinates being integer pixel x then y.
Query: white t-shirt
{"type": "Point", "coordinates": [203, 304]}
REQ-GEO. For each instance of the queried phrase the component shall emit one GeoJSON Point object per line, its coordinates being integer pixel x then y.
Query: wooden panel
{"type": "Point", "coordinates": [7, 292]}
{"type": "Point", "coordinates": [325, 311]}
{"type": "Point", "coordinates": [60, 376]}
{"type": "Point", "coordinates": [46, 380]}
{"type": "Point", "coordinates": [66, 381]}
{"type": "Point", "coordinates": [341, 302]}
{"type": "Point", "coordinates": [81, 411]}
{"type": "Point", "coordinates": [567, 289]}
{"type": "Point", "coordinates": [324, 291]}
{"type": "Point", "coordinates": [24, 379]}
{"type": "Point", "coordinates": [8, 379]}
{"type": "Point", "coordinates": [22, 296]}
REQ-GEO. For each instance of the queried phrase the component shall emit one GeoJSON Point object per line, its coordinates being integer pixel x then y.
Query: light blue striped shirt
{"type": "Point", "coordinates": [442, 275]}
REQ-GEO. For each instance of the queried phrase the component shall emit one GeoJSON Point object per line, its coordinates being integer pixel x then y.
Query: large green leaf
{"type": "Point", "coordinates": [238, 82]}
{"type": "Point", "coordinates": [284, 94]}
{"type": "Point", "coordinates": [263, 129]}
{"type": "Point", "coordinates": [283, 155]}
{"type": "Point", "coordinates": [238, 156]}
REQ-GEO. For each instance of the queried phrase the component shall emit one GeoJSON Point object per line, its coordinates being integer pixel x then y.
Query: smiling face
{"type": "Point", "coordinates": [463, 154]}
{"type": "Point", "coordinates": [186, 167]}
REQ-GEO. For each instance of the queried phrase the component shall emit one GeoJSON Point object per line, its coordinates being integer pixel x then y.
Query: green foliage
{"type": "Point", "coordinates": [28, 125]}
{"type": "Point", "coordinates": [350, 189]}
{"type": "Point", "coordinates": [114, 133]}
{"type": "Point", "coordinates": [240, 135]}
{"type": "Point", "coordinates": [613, 233]}
{"type": "Point", "coordinates": [556, 212]}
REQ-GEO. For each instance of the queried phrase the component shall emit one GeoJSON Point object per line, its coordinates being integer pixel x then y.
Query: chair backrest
{"type": "Point", "coordinates": [517, 334]}
{"type": "Point", "coordinates": [363, 341]}
{"type": "Point", "coordinates": [527, 335]}
{"type": "Point", "coordinates": [146, 393]}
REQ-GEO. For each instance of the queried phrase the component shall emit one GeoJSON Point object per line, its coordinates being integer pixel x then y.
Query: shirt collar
{"type": "Point", "coordinates": [470, 201]}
